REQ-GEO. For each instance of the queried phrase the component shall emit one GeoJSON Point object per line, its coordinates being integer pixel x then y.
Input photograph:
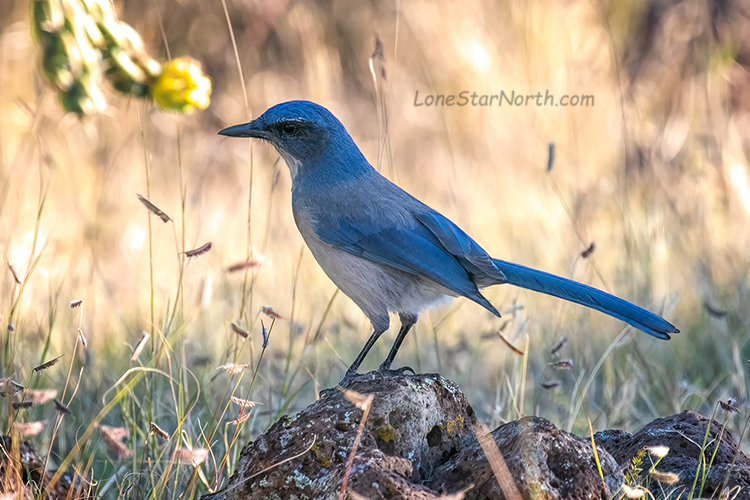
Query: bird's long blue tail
{"type": "Point", "coordinates": [539, 281]}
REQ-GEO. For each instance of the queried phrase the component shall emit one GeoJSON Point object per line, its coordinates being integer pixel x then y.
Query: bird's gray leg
{"type": "Point", "coordinates": [407, 321]}
{"type": "Point", "coordinates": [352, 371]}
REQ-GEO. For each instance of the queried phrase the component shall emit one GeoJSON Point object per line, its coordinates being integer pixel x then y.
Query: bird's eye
{"type": "Point", "coordinates": [290, 128]}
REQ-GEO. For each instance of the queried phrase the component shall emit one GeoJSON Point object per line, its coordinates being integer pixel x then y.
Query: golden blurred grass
{"type": "Point", "coordinates": [655, 173]}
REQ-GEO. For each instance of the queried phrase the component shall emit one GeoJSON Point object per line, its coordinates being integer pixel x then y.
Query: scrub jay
{"type": "Point", "coordinates": [385, 249]}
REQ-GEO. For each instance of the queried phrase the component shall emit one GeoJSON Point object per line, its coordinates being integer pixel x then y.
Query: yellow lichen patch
{"type": "Point", "coordinates": [386, 433]}
{"type": "Point", "coordinates": [455, 424]}
{"type": "Point", "coordinates": [323, 461]}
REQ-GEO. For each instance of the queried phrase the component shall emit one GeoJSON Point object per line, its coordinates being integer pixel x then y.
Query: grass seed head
{"type": "Point", "coordinates": [633, 492]}
{"type": "Point", "coordinates": [8, 386]}
{"type": "Point", "coordinates": [61, 408]}
{"type": "Point", "coordinates": [82, 338]}
{"type": "Point", "coordinates": [556, 348]}
{"type": "Point", "coordinates": [714, 311]}
{"type": "Point", "coordinates": [232, 368]}
{"type": "Point", "coordinates": [377, 59]}
{"type": "Point", "coordinates": [729, 406]}
{"type": "Point", "coordinates": [361, 401]}
{"type": "Point", "coordinates": [13, 272]}
{"type": "Point", "coordinates": [154, 209]}
{"type": "Point", "coordinates": [587, 253]}
{"type": "Point", "coordinates": [658, 451]}
{"type": "Point", "coordinates": [140, 346]}
{"type": "Point", "coordinates": [159, 431]}
{"type": "Point", "coordinates": [48, 364]}
{"type": "Point", "coordinates": [665, 477]}
{"type": "Point", "coordinates": [196, 456]}
{"type": "Point", "coordinates": [112, 437]}
{"type": "Point", "coordinates": [550, 156]}
{"type": "Point", "coordinates": [244, 403]}
{"type": "Point", "coordinates": [241, 266]}
{"type": "Point", "coordinates": [196, 253]}
{"type": "Point", "coordinates": [244, 416]}
{"type": "Point", "coordinates": [40, 396]}
{"type": "Point", "coordinates": [30, 428]}
{"type": "Point", "coordinates": [264, 334]}
{"type": "Point", "coordinates": [239, 330]}
{"type": "Point", "coordinates": [269, 311]}
{"type": "Point", "coordinates": [563, 364]}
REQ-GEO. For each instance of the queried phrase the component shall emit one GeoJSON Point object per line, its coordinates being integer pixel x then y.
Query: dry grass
{"type": "Point", "coordinates": [648, 196]}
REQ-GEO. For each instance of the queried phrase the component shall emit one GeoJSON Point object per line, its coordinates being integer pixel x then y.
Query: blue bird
{"type": "Point", "coordinates": [386, 250]}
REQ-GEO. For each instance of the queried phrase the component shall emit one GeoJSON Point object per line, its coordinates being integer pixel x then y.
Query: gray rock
{"type": "Point", "coordinates": [683, 434]}
{"type": "Point", "coordinates": [418, 443]}
{"type": "Point", "coordinates": [545, 462]}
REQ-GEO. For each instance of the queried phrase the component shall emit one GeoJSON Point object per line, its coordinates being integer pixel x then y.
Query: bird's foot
{"type": "Point", "coordinates": [348, 379]}
{"type": "Point", "coordinates": [383, 371]}
{"type": "Point", "coordinates": [386, 371]}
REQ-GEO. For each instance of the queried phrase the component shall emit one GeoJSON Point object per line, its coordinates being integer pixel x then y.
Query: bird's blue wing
{"type": "Point", "coordinates": [413, 249]}
{"type": "Point", "coordinates": [472, 257]}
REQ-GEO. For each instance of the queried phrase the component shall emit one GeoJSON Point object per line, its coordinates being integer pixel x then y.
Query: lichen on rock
{"type": "Point", "coordinates": [418, 443]}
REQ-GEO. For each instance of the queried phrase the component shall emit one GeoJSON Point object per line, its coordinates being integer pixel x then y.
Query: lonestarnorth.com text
{"type": "Point", "coordinates": [468, 98]}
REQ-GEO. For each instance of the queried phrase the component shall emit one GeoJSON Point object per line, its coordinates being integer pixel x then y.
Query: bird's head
{"type": "Point", "coordinates": [301, 131]}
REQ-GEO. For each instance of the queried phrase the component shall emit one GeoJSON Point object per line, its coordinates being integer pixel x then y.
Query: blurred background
{"type": "Point", "coordinates": [654, 172]}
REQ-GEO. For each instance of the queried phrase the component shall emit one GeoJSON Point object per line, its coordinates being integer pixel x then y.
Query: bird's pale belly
{"type": "Point", "coordinates": [375, 288]}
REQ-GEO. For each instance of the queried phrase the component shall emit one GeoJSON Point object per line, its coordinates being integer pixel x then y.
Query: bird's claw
{"type": "Point", "coordinates": [383, 371]}
{"type": "Point", "coordinates": [387, 372]}
{"type": "Point", "coordinates": [348, 379]}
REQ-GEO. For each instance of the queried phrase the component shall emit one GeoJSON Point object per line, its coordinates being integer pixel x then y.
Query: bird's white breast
{"type": "Point", "coordinates": [377, 289]}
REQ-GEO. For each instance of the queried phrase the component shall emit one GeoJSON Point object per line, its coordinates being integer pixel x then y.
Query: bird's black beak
{"type": "Point", "coordinates": [250, 129]}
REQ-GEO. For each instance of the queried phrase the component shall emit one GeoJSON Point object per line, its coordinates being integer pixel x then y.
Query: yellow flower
{"type": "Point", "coordinates": [182, 86]}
